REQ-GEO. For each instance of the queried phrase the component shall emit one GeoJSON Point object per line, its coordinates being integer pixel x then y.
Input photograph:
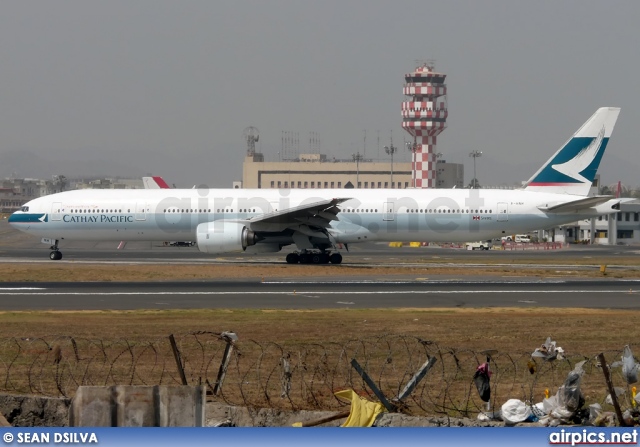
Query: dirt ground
{"type": "Point", "coordinates": [44, 272]}
{"type": "Point", "coordinates": [581, 332]}
{"type": "Point", "coordinates": [511, 330]}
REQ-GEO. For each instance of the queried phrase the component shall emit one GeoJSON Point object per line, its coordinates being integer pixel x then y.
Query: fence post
{"type": "Point", "coordinates": [418, 376]}
{"type": "Point", "coordinates": [286, 377]}
{"type": "Point", "coordinates": [612, 392]}
{"type": "Point", "coordinates": [230, 338]}
{"type": "Point", "coordinates": [176, 354]}
{"type": "Point", "coordinates": [389, 406]}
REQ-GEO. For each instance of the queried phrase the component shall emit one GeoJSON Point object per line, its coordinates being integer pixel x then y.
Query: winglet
{"type": "Point", "coordinates": [572, 169]}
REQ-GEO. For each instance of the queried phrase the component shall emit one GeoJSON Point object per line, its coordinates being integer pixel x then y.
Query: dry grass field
{"type": "Point", "coordinates": [509, 330]}
{"type": "Point", "coordinates": [131, 347]}
{"type": "Point", "coordinates": [428, 268]}
{"type": "Point", "coordinates": [512, 332]}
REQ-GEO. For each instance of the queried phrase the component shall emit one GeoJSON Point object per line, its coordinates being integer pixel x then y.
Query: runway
{"type": "Point", "coordinates": [311, 294]}
{"type": "Point", "coordinates": [403, 291]}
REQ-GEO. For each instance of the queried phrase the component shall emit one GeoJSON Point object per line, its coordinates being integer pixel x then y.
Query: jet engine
{"type": "Point", "coordinates": [224, 237]}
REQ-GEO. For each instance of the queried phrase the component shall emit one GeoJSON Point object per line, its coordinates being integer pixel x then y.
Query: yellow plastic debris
{"type": "Point", "coordinates": [363, 413]}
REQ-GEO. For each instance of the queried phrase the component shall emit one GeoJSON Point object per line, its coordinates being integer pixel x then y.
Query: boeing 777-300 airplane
{"type": "Point", "coordinates": [318, 220]}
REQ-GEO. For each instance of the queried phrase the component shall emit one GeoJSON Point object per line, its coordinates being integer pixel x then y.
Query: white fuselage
{"type": "Point", "coordinates": [368, 215]}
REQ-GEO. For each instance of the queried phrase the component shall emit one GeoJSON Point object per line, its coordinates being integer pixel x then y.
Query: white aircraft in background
{"type": "Point", "coordinates": [318, 220]}
{"type": "Point", "coordinates": [155, 182]}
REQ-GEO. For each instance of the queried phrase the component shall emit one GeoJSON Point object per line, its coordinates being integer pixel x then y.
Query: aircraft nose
{"type": "Point", "coordinates": [12, 219]}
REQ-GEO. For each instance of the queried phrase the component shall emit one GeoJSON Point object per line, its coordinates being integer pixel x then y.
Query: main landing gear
{"type": "Point", "coordinates": [314, 257]}
{"type": "Point", "coordinates": [55, 254]}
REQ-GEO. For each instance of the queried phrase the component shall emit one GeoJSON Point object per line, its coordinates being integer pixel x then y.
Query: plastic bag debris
{"type": "Point", "coordinates": [605, 419]}
{"type": "Point", "coordinates": [571, 397]}
{"type": "Point", "coordinates": [549, 351]}
{"type": "Point", "coordinates": [486, 416]}
{"type": "Point", "coordinates": [562, 407]}
{"type": "Point", "coordinates": [594, 411]}
{"type": "Point", "coordinates": [629, 366]}
{"type": "Point", "coordinates": [619, 392]}
{"type": "Point", "coordinates": [514, 411]}
{"type": "Point", "coordinates": [482, 380]}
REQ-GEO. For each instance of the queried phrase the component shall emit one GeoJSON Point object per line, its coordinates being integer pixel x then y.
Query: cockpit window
{"type": "Point", "coordinates": [25, 209]}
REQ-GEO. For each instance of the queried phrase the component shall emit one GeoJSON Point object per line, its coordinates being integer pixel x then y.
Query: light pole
{"type": "Point", "coordinates": [390, 150]}
{"type": "Point", "coordinates": [412, 147]}
{"type": "Point", "coordinates": [475, 154]}
{"type": "Point", "coordinates": [357, 157]}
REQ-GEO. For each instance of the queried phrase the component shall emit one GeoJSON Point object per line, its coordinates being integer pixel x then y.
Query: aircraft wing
{"type": "Point", "coordinates": [575, 205]}
{"type": "Point", "coordinates": [317, 213]}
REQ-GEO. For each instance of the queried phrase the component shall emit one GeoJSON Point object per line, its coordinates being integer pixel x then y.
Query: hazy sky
{"type": "Point", "coordinates": [167, 87]}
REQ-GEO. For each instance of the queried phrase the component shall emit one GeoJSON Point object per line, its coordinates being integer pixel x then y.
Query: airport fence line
{"type": "Point", "coordinates": [296, 376]}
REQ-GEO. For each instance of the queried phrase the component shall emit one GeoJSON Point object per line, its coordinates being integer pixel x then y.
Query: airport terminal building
{"type": "Point", "coordinates": [315, 171]}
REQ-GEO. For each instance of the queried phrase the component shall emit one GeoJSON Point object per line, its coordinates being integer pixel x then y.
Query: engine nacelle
{"type": "Point", "coordinates": [224, 237]}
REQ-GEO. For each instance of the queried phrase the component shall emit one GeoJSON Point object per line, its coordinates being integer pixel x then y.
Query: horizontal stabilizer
{"type": "Point", "coordinates": [576, 205]}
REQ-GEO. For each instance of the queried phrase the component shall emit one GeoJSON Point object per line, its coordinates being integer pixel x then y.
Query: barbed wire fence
{"type": "Point", "coordinates": [295, 376]}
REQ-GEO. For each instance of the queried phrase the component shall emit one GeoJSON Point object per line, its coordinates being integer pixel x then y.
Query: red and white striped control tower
{"type": "Point", "coordinates": [424, 116]}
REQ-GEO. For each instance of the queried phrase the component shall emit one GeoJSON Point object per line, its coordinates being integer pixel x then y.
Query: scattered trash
{"type": "Point", "coordinates": [482, 379]}
{"type": "Point", "coordinates": [486, 416]}
{"type": "Point", "coordinates": [222, 423]}
{"type": "Point", "coordinates": [630, 367]}
{"type": "Point", "coordinates": [619, 392]}
{"type": "Point", "coordinates": [514, 411]}
{"type": "Point", "coordinates": [363, 412]}
{"type": "Point", "coordinates": [563, 406]}
{"type": "Point", "coordinates": [594, 411]}
{"type": "Point", "coordinates": [324, 420]}
{"type": "Point", "coordinates": [605, 419]}
{"type": "Point", "coordinates": [548, 351]}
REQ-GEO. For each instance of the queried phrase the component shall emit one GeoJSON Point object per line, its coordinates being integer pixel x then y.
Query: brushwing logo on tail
{"type": "Point", "coordinates": [574, 167]}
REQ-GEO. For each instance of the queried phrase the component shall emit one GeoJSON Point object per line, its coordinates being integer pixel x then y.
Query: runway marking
{"type": "Point", "coordinates": [418, 280]}
{"type": "Point", "coordinates": [290, 292]}
{"type": "Point", "coordinates": [23, 288]}
{"type": "Point", "coordinates": [345, 302]}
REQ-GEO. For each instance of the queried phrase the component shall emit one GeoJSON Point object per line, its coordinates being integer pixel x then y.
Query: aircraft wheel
{"type": "Point", "coordinates": [316, 259]}
{"type": "Point", "coordinates": [324, 258]}
{"type": "Point", "coordinates": [55, 255]}
{"type": "Point", "coordinates": [292, 258]}
{"type": "Point", "coordinates": [335, 258]}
